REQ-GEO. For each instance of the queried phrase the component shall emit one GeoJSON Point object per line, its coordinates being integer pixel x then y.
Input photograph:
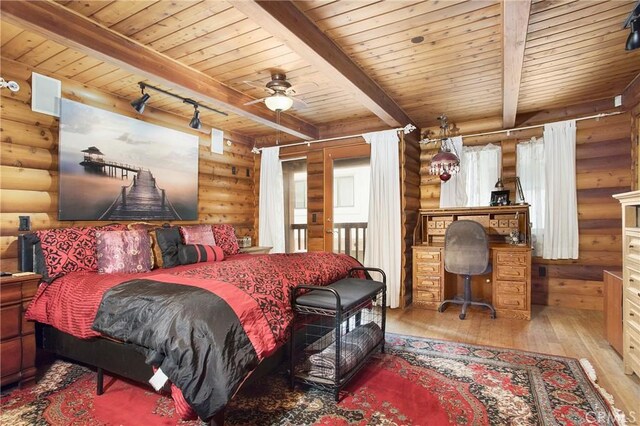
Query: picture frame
{"type": "Point", "coordinates": [499, 198]}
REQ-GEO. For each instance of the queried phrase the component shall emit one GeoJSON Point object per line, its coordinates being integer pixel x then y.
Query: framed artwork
{"type": "Point", "coordinates": [499, 198]}
{"type": "Point", "coordinates": [116, 168]}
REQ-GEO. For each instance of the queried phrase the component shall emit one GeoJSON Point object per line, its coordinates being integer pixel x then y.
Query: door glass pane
{"type": "Point", "coordinates": [350, 205]}
{"type": "Point", "coordinates": [294, 173]}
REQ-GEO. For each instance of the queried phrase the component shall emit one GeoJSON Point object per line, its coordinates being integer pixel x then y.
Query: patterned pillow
{"type": "Point", "coordinates": [194, 253]}
{"type": "Point", "coordinates": [123, 251]}
{"type": "Point", "coordinates": [71, 249]}
{"type": "Point", "coordinates": [225, 237]}
{"type": "Point", "coordinates": [198, 234]}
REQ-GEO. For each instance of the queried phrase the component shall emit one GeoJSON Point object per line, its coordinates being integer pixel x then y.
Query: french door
{"type": "Point", "coordinates": [346, 199]}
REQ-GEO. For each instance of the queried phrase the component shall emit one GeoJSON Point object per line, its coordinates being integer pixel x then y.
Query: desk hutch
{"type": "Point", "coordinates": [511, 276]}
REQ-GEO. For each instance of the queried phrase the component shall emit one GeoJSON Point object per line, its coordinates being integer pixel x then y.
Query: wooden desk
{"type": "Point", "coordinates": [510, 279]}
{"type": "Point", "coordinates": [510, 289]}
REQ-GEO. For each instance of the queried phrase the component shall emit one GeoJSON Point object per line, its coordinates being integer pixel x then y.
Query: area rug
{"type": "Point", "coordinates": [416, 382]}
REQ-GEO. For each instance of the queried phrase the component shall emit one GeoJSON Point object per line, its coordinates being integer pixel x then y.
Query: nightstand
{"type": "Point", "coordinates": [17, 335]}
{"type": "Point", "coordinates": [256, 250]}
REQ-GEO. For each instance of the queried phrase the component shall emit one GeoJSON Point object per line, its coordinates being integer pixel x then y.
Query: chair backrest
{"type": "Point", "coordinates": [466, 248]}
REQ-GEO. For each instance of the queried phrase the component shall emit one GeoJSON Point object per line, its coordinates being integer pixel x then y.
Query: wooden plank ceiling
{"type": "Point", "coordinates": [574, 53]}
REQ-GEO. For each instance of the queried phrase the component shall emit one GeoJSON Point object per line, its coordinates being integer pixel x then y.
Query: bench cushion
{"type": "Point", "coordinates": [352, 292]}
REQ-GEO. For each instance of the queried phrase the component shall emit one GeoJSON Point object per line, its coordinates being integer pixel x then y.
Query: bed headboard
{"type": "Point", "coordinates": [30, 257]}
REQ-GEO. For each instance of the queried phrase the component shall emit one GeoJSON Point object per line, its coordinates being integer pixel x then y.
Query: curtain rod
{"type": "Point", "coordinates": [406, 129]}
{"type": "Point", "coordinates": [516, 129]}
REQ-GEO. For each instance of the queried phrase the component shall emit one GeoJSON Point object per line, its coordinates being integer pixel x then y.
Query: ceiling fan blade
{"type": "Point", "coordinates": [255, 101]}
{"type": "Point", "coordinates": [299, 103]}
{"type": "Point", "coordinates": [310, 85]}
{"type": "Point", "coordinates": [253, 84]}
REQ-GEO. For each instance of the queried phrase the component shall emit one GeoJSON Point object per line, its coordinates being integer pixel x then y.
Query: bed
{"type": "Point", "coordinates": [208, 326]}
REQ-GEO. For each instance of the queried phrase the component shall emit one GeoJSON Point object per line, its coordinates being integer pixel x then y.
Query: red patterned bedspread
{"type": "Point", "coordinates": [70, 303]}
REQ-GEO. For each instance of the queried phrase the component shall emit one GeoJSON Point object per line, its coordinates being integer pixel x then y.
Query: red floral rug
{"type": "Point", "coordinates": [417, 382]}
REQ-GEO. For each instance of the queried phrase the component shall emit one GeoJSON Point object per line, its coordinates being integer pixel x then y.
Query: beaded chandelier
{"type": "Point", "coordinates": [446, 162]}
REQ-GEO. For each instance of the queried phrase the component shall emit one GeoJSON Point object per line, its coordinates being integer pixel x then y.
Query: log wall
{"type": "Point", "coordinates": [603, 167]}
{"type": "Point", "coordinates": [29, 164]}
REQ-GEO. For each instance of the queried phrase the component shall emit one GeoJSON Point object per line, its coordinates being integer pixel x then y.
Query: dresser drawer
{"type": "Point", "coordinates": [426, 296]}
{"type": "Point", "coordinates": [10, 321]}
{"type": "Point", "coordinates": [634, 279]}
{"type": "Point", "coordinates": [633, 248]}
{"type": "Point", "coordinates": [505, 258]}
{"type": "Point", "coordinates": [10, 356]}
{"type": "Point", "coordinates": [508, 273]}
{"type": "Point", "coordinates": [632, 351]}
{"type": "Point", "coordinates": [427, 283]}
{"type": "Point", "coordinates": [510, 287]}
{"type": "Point", "coordinates": [428, 255]}
{"type": "Point", "coordinates": [632, 317]}
{"type": "Point", "coordinates": [510, 301]}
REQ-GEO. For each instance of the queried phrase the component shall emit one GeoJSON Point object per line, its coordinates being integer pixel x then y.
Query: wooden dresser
{"type": "Point", "coordinates": [18, 345]}
{"type": "Point", "coordinates": [630, 280]}
{"type": "Point", "coordinates": [511, 263]}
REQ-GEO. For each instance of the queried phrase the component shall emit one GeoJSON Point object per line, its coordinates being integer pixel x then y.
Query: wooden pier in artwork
{"type": "Point", "coordinates": [141, 200]}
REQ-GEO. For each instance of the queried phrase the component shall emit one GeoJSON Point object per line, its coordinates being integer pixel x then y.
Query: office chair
{"type": "Point", "coordinates": [466, 253]}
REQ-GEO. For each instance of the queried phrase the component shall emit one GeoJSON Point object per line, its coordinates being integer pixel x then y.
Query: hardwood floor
{"type": "Point", "coordinates": [558, 331]}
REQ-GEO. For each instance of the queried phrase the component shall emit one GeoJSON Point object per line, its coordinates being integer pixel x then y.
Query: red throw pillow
{"type": "Point", "coordinates": [197, 234]}
{"type": "Point", "coordinates": [225, 237]}
{"type": "Point", "coordinates": [71, 249]}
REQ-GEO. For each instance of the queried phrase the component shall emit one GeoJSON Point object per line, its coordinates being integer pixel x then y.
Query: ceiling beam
{"type": "Point", "coordinates": [515, 21]}
{"type": "Point", "coordinates": [286, 22]}
{"type": "Point", "coordinates": [78, 32]}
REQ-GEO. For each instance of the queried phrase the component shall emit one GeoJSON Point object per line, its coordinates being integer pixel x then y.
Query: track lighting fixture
{"type": "Point", "coordinates": [633, 22]}
{"type": "Point", "coordinates": [195, 122]}
{"type": "Point", "coordinates": [141, 102]}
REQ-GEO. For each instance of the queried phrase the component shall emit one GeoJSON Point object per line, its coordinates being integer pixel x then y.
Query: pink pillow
{"type": "Point", "coordinates": [123, 251]}
{"type": "Point", "coordinates": [197, 234]}
{"type": "Point", "coordinates": [71, 249]}
{"type": "Point", "coordinates": [225, 237]}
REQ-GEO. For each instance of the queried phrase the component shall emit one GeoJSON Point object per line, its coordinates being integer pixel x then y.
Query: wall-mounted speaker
{"type": "Point", "coordinates": [46, 93]}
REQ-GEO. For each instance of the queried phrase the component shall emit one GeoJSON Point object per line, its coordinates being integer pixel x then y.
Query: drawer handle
{"type": "Point", "coordinates": [631, 246]}
{"type": "Point", "coordinates": [631, 347]}
{"type": "Point", "coordinates": [631, 314]}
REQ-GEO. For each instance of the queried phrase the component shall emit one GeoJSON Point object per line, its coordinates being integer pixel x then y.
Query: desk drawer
{"type": "Point", "coordinates": [504, 272]}
{"type": "Point", "coordinates": [427, 283]}
{"type": "Point", "coordinates": [428, 255]}
{"type": "Point", "coordinates": [428, 269]}
{"type": "Point", "coordinates": [427, 296]}
{"type": "Point", "coordinates": [632, 351]}
{"type": "Point", "coordinates": [510, 301]}
{"type": "Point", "coordinates": [510, 287]}
{"type": "Point", "coordinates": [505, 258]}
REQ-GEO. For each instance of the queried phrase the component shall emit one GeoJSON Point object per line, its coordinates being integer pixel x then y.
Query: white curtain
{"type": "Point", "coordinates": [531, 171]}
{"type": "Point", "coordinates": [482, 167]}
{"type": "Point", "coordinates": [271, 202]}
{"type": "Point", "coordinates": [561, 215]}
{"type": "Point", "coordinates": [383, 245]}
{"type": "Point", "coordinates": [453, 193]}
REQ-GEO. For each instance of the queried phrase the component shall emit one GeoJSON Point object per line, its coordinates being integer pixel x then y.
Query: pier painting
{"type": "Point", "coordinates": [116, 168]}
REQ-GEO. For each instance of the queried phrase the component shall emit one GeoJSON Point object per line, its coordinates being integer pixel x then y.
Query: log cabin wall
{"type": "Point", "coordinates": [603, 167]}
{"type": "Point", "coordinates": [29, 164]}
{"type": "Point", "coordinates": [409, 195]}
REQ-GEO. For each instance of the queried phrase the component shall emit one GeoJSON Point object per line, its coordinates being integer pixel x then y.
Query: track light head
{"type": "Point", "coordinates": [195, 122]}
{"type": "Point", "coordinates": [141, 102]}
{"type": "Point", "coordinates": [633, 41]}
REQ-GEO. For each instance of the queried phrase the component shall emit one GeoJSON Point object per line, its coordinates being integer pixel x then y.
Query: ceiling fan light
{"type": "Point", "coordinates": [278, 102]}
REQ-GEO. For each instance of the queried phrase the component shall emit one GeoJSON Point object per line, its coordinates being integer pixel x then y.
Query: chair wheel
{"type": "Point", "coordinates": [493, 316]}
{"type": "Point", "coordinates": [440, 309]}
{"type": "Point", "coordinates": [462, 316]}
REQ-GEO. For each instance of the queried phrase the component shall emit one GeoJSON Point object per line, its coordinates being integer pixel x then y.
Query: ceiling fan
{"type": "Point", "coordinates": [280, 93]}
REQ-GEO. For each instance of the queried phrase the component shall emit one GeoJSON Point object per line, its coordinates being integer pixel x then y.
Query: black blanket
{"type": "Point", "coordinates": [192, 334]}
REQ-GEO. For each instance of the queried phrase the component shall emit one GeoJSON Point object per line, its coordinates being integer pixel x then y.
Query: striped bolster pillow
{"type": "Point", "coordinates": [194, 253]}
